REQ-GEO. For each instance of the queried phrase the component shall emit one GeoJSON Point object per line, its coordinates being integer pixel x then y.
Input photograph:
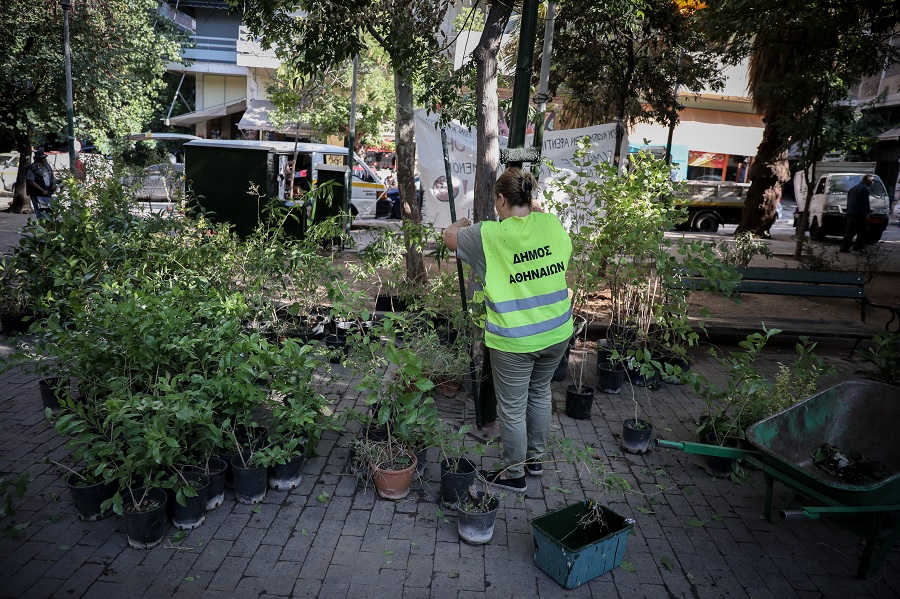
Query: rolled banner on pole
{"type": "Point", "coordinates": [459, 272]}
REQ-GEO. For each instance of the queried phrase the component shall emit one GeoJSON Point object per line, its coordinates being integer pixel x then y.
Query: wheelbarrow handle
{"type": "Point", "coordinates": [703, 449]}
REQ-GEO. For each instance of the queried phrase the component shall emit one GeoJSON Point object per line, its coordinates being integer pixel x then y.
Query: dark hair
{"type": "Point", "coordinates": [516, 186]}
{"type": "Point", "coordinates": [868, 179]}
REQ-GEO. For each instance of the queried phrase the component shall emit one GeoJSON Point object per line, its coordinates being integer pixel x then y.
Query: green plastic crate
{"type": "Point", "coordinates": [571, 554]}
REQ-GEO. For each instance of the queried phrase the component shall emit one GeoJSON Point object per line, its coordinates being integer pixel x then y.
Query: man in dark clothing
{"type": "Point", "coordinates": [857, 212]}
{"type": "Point", "coordinates": [40, 183]}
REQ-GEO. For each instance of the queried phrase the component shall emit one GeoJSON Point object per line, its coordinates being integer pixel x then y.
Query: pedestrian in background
{"type": "Point", "coordinates": [521, 262]}
{"type": "Point", "coordinates": [857, 212]}
{"type": "Point", "coordinates": [40, 183]}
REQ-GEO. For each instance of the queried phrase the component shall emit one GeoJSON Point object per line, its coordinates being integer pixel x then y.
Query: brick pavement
{"type": "Point", "coordinates": [356, 545]}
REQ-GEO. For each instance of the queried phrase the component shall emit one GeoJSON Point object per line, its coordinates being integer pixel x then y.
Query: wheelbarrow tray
{"type": "Point", "coordinates": [855, 416]}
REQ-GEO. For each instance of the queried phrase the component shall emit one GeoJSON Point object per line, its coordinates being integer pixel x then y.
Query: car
{"type": "Point", "coordinates": [9, 162]}
{"type": "Point", "coordinates": [162, 182]}
{"type": "Point", "coordinates": [393, 194]}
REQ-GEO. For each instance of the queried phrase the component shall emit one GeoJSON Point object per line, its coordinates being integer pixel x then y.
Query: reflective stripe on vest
{"type": "Point", "coordinates": [526, 296]}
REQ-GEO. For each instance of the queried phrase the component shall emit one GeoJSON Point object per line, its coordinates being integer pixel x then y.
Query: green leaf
{"type": "Point", "coordinates": [179, 536]}
{"type": "Point", "coordinates": [561, 490]}
{"type": "Point", "coordinates": [453, 575]}
{"type": "Point", "coordinates": [304, 532]}
{"type": "Point", "coordinates": [257, 509]}
{"type": "Point", "coordinates": [687, 490]}
{"type": "Point", "coordinates": [628, 566]}
{"type": "Point", "coordinates": [717, 517]}
{"type": "Point", "coordinates": [667, 562]}
{"type": "Point", "coordinates": [189, 579]}
{"type": "Point", "coordinates": [63, 547]}
{"type": "Point", "coordinates": [644, 510]}
{"type": "Point", "coordinates": [440, 513]}
{"type": "Point", "coordinates": [323, 497]}
{"type": "Point", "coordinates": [696, 523]}
{"type": "Point", "coordinates": [388, 552]}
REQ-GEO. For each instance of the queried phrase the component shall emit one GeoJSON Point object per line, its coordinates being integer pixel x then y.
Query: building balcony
{"type": "Point", "coordinates": [250, 52]}
{"type": "Point", "coordinates": [211, 49]}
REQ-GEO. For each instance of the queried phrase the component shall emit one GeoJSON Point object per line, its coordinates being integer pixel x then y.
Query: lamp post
{"type": "Point", "coordinates": [67, 6]}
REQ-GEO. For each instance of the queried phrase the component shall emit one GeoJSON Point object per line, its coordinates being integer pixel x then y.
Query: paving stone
{"type": "Point", "coordinates": [229, 574]}
{"type": "Point", "coordinates": [284, 578]}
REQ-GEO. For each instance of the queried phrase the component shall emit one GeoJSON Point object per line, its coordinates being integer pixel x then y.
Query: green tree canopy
{"type": "Point", "coordinates": [621, 60]}
{"type": "Point", "coordinates": [805, 59]}
{"type": "Point", "coordinates": [119, 51]}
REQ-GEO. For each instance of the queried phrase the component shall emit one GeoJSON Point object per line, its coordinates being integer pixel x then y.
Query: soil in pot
{"type": "Point", "coordinates": [145, 524]}
{"type": "Point", "coordinates": [193, 513]}
{"type": "Point", "coordinates": [636, 435]}
{"type": "Point", "coordinates": [579, 401]}
{"type": "Point", "coordinates": [475, 518]}
{"type": "Point", "coordinates": [249, 481]}
{"type": "Point", "coordinates": [394, 484]}
{"type": "Point", "coordinates": [87, 499]}
{"type": "Point", "coordinates": [52, 390]}
{"type": "Point", "coordinates": [455, 482]}
{"type": "Point", "coordinates": [284, 477]}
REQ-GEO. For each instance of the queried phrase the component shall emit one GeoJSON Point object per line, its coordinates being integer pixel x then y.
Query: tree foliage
{"type": "Point", "coordinates": [323, 99]}
{"type": "Point", "coordinates": [329, 34]}
{"type": "Point", "coordinates": [622, 60]}
{"type": "Point", "coordinates": [805, 59]}
{"type": "Point", "coordinates": [119, 50]}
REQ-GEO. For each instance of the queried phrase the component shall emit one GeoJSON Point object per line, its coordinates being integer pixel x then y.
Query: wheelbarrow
{"type": "Point", "coordinates": [859, 417]}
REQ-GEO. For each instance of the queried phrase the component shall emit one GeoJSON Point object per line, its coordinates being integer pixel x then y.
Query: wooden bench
{"type": "Point", "coordinates": [803, 283]}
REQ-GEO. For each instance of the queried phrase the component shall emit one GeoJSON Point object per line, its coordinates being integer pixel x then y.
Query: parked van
{"type": "Point", "coordinates": [828, 206]}
{"type": "Point", "coordinates": [367, 187]}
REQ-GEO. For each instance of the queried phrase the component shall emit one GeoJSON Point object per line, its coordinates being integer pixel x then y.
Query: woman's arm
{"type": "Point", "coordinates": [450, 232]}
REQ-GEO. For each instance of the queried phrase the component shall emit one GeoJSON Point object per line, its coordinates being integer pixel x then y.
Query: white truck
{"type": "Point", "coordinates": [828, 206]}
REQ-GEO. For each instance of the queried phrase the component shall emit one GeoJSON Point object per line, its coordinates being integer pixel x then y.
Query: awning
{"type": "Point", "coordinates": [257, 118]}
{"type": "Point", "coordinates": [890, 135]}
{"type": "Point", "coordinates": [707, 131]}
{"type": "Point", "coordinates": [199, 116]}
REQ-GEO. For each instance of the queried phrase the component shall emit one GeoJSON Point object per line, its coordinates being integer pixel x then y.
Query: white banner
{"type": "Point", "coordinates": [559, 148]}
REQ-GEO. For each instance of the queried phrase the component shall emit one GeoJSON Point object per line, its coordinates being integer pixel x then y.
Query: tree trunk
{"type": "Point", "coordinates": [406, 175]}
{"type": "Point", "coordinates": [487, 111]}
{"type": "Point", "coordinates": [21, 203]}
{"type": "Point", "coordinates": [767, 173]}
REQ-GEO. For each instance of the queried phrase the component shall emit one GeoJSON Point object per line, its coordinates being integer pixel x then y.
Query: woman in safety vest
{"type": "Point", "coordinates": [521, 261]}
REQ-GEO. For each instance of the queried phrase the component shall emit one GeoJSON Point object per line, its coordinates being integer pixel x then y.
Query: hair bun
{"type": "Point", "coordinates": [526, 186]}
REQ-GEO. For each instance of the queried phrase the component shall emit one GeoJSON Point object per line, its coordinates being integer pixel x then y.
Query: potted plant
{"type": "Point", "coordinates": [457, 471]}
{"type": "Point", "coordinates": [586, 539]}
{"type": "Point", "coordinates": [15, 301]}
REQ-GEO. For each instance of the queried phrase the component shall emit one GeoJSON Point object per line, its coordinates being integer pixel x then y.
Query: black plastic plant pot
{"type": "Point", "coordinates": [579, 401]}
{"type": "Point", "coordinates": [389, 303]}
{"type": "Point", "coordinates": [193, 513]}
{"type": "Point", "coordinates": [51, 392]}
{"type": "Point", "coordinates": [249, 481]}
{"type": "Point", "coordinates": [476, 526]}
{"type": "Point", "coordinates": [718, 466]}
{"type": "Point", "coordinates": [284, 477]}
{"type": "Point", "coordinates": [15, 324]}
{"type": "Point", "coordinates": [216, 470]}
{"type": "Point", "coordinates": [610, 378]}
{"type": "Point", "coordinates": [87, 499]}
{"type": "Point", "coordinates": [337, 343]}
{"type": "Point", "coordinates": [636, 435]}
{"type": "Point", "coordinates": [145, 529]}
{"type": "Point", "coordinates": [679, 363]}
{"type": "Point", "coordinates": [639, 380]}
{"type": "Point", "coordinates": [455, 485]}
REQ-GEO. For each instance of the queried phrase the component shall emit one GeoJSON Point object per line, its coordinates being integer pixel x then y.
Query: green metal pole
{"type": "Point", "coordinates": [448, 173]}
{"type": "Point", "coordinates": [543, 85]}
{"type": "Point", "coordinates": [348, 182]}
{"type": "Point", "coordinates": [522, 83]}
{"type": "Point", "coordinates": [70, 111]}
